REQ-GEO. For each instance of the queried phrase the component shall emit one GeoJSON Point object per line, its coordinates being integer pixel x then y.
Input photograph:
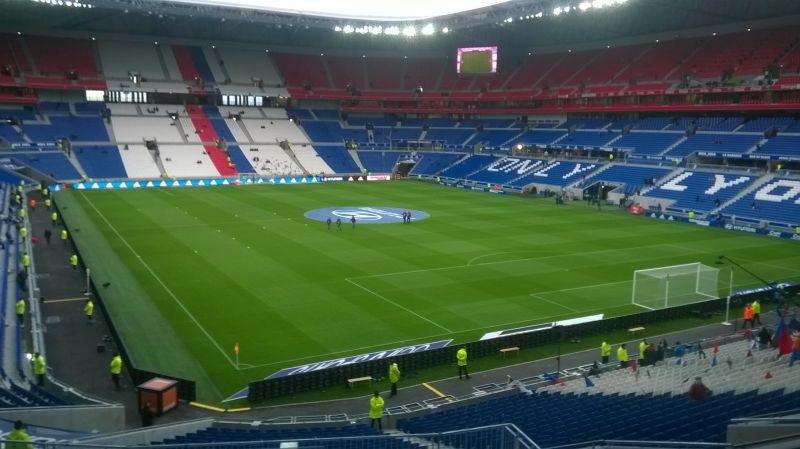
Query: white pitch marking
{"type": "Point", "coordinates": [158, 279]}
{"type": "Point", "coordinates": [534, 295]}
{"type": "Point", "coordinates": [485, 255]}
{"type": "Point", "coordinates": [497, 262]}
{"type": "Point", "coordinates": [378, 295]}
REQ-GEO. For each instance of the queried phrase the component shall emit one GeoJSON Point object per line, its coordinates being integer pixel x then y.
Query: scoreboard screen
{"type": "Point", "coordinates": [476, 60]}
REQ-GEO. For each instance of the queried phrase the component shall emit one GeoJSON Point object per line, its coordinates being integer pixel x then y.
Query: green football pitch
{"type": "Point", "coordinates": [193, 271]}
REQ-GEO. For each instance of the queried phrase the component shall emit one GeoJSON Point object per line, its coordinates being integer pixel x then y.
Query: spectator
{"type": "Point", "coordinates": [764, 338]}
{"type": "Point", "coordinates": [662, 350]}
{"type": "Point", "coordinates": [594, 370]}
{"type": "Point", "coordinates": [698, 391]}
{"type": "Point", "coordinates": [679, 351]}
{"type": "Point", "coordinates": [147, 414]}
{"type": "Point", "coordinates": [795, 348]}
{"type": "Point", "coordinates": [699, 349]}
{"type": "Point", "coordinates": [650, 355]}
{"type": "Point", "coordinates": [18, 434]}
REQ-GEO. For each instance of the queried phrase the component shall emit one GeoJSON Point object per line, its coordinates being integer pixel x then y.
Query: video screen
{"type": "Point", "coordinates": [476, 61]}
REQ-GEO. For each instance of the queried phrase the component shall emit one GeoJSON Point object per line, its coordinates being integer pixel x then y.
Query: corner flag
{"type": "Point", "coordinates": [236, 348]}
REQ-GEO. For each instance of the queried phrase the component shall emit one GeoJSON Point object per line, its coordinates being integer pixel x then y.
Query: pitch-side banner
{"type": "Point", "coordinates": [344, 361]}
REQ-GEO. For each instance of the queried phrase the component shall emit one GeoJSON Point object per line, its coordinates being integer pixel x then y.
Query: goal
{"type": "Point", "coordinates": [659, 288]}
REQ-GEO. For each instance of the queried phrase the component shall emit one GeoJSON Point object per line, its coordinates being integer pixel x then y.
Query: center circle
{"type": "Point", "coordinates": [367, 214]}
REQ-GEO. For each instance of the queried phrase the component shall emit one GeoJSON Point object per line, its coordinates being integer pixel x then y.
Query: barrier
{"type": "Point", "coordinates": [337, 376]}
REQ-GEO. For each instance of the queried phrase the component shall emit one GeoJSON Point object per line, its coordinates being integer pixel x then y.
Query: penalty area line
{"type": "Point", "coordinates": [378, 295]}
{"type": "Point", "coordinates": [158, 279]}
{"type": "Point", "coordinates": [534, 295]}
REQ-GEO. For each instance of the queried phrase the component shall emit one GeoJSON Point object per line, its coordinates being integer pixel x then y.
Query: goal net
{"type": "Point", "coordinates": [659, 288]}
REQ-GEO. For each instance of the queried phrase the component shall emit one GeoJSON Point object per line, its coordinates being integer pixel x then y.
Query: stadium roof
{"type": "Point", "coordinates": [406, 10]}
{"type": "Point", "coordinates": [517, 26]}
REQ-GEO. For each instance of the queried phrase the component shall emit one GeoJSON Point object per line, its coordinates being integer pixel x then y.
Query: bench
{"type": "Point", "coordinates": [634, 330]}
{"type": "Point", "coordinates": [355, 380]}
{"type": "Point", "coordinates": [514, 349]}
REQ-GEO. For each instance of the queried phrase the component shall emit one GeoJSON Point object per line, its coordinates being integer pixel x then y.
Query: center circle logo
{"type": "Point", "coordinates": [366, 214]}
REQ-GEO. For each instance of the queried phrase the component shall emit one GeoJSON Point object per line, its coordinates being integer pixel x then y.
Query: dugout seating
{"type": "Point", "coordinates": [698, 191]}
{"type": "Point", "coordinates": [775, 202]}
{"type": "Point", "coordinates": [432, 164]}
{"type": "Point", "coordinates": [650, 406]}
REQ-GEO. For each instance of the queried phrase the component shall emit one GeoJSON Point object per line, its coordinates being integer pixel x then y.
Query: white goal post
{"type": "Point", "coordinates": [663, 287]}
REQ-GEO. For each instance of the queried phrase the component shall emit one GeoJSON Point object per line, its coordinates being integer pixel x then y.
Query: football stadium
{"type": "Point", "coordinates": [457, 224]}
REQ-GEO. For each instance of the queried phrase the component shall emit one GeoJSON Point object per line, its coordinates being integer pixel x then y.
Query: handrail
{"type": "Point", "coordinates": [640, 444]}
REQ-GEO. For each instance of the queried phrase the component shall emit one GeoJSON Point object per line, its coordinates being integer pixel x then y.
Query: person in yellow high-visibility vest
{"type": "Point", "coordinates": [376, 410]}
{"type": "Point", "coordinates": [88, 309]}
{"type": "Point", "coordinates": [394, 377]}
{"type": "Point", "coordinates": [39, 368]}
{"type": "Point", "coordinates": [642, 349]}
{"type": "Point", "coordinates": [21, 312]}
{"type": "Point", "coordinates": [54, 217]}
{"type": "Point", "coordinates": [605, 352]}
{"type": "Point", "coordinates": [756, 312]}
{"type": "Point", "coordinates": [21, 213]}
{"type": "Point", "coordinates": [47, 203]}
{"type": "Point", "coordinates": [23, 232]}
{"type": "Point", "coordinates": [461, 358]}
{"type": "Point", "coordinates": [116, 369]}
{"type": "Point", "coordinates": [25, 260]}
{"type": "Point", "coordinates": [64, 236]}
{"type": "Point", "coordinates": [73, 261]}
{"type": "Point", "coordinates": [18, 434]}
{"type": "Point", "coordinates": [622, 356]}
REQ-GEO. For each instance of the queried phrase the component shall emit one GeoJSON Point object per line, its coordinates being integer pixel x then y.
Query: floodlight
{"type": "Point", "coordinates": [337, 28]}
{"type": "Point", "coordinates": [391, 31]}
{"type": "Point", "coordinates": [348, 29]}
{"type": "Point", "coordinates": [445, 30]}
{"type": "Point", "coordinates": [583, 6]}
{"type": "Point", "coordinates": [557, 11]}
{"type": "Point", "coordinates": [428, 29]}
{"type": "Point", "coordinates": [409, 31]}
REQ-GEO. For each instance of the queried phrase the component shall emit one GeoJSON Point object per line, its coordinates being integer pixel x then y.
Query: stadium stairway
{"type": "Point", "coordinates": [205, 129]}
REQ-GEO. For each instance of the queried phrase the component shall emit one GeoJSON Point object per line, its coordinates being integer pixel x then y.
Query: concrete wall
{"type": "Point", "coordinates": [79, 418]}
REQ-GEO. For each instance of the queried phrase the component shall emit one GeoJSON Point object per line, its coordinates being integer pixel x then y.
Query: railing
{"type": "Point", "coordinates": [499, 436]}
{"type": "Point", "coordinates": [640, 444]}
